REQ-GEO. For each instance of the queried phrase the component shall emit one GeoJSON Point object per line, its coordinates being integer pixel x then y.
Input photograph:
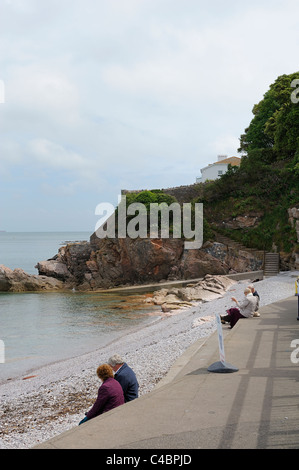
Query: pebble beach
{"type": "Point", "coordinates": [54, 398]}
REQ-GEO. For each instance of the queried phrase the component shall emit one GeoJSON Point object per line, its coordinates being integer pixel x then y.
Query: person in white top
{"type": "Point", "coordinates": [244, 309]}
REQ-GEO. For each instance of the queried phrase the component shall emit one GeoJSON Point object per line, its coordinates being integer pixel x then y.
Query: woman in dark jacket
{"type": "Point", "coordinates": [110, 393]}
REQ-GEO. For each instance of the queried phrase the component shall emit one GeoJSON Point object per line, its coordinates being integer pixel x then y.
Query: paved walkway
{"type": "Point", "coordinates": [256, 407]}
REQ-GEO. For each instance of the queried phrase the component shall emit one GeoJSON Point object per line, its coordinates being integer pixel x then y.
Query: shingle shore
{"type": "Point", "coordinates": [54, 401]}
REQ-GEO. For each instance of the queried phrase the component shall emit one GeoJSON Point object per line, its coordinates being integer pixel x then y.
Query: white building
{"type": "Point", "coordinates": [217, 169]}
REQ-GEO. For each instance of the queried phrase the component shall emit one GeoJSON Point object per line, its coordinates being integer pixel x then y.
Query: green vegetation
{"type": "Point", "coordinates": [138, 205]}
{"type": "Point", "coordinates": [158, 197]}
{"type": "Point", "coordinates": [263, 188]}
{"type": "Point", "coordinates": [267, 180]}
{"type": "Point", "coordinates": [150, 197]}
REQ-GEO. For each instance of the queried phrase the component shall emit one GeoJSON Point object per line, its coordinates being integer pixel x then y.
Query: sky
{"type": "Point", "coordinates": [105, 95]}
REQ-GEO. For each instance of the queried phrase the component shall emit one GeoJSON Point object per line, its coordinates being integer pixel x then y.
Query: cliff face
{"type": "Point", "coordinates": [104, 263]}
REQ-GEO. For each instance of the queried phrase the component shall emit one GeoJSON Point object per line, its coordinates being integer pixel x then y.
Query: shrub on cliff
{"type": "Point", "coordinates": [273, 133]}
{"type": "Point", "coordinates": [146, 198]}
{"type": "Point", "coordinates": [267, 179]}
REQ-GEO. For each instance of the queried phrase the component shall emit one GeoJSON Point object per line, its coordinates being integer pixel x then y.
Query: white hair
{"type": "Point", "coordinates": [115, 359]}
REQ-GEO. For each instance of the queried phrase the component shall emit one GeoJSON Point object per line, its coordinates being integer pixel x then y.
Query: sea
{"type": "Point", "coordinates": [40, 328]}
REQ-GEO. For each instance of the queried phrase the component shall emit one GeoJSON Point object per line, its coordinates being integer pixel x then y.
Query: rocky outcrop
{"type": "Point", "coordinates": [132, 261]}
{"type": "Point", "coordinates": [18, 280]}
{"type": "Point", "coordinates": [69, 265]}
{"type": "Point", "coordinates": [205, 290]}
{"type": "Point", "coordinates": [240, 222]}
{"type": "Point", "coordinates": [105, 263]}
{"type": "Point", "coordinates": [234, 260]}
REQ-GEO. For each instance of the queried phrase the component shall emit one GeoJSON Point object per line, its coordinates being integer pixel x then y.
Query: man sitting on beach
{"type": "Point", "coordinates": [125, 376]}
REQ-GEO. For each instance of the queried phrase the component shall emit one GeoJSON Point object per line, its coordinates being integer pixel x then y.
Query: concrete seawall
{"type": "Point", "coordinates": [255, 407]}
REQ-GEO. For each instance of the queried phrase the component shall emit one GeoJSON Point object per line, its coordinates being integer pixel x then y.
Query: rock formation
{"type": "Point", "coordinates": [18, 280]}
{"type": "Point", "coordinates": [105, 263]}
{"type": "Point", "coordinates": [209, 288]}
{"type": "Point", "coordinates": [242, 221]}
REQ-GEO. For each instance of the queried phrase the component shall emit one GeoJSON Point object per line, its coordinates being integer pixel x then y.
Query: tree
{"type": "Point", "coordinates": [273, 133]}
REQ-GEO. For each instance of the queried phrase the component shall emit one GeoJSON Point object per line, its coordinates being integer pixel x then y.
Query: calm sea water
{"type": "Point", "coordinates": [25, 249]}
{"type": "Point", "coordinates": [40, 328]}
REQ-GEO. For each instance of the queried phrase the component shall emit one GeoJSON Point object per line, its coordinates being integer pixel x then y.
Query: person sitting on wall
{"type": "Point", "coordinates": [110, 393]}
{"type": "Point", "coordinates": [245, 309]}
{"type": "Point", "coordinates": [125, 376]}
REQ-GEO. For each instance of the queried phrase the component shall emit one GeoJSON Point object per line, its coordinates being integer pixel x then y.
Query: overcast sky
{"type": "Point", "coordinates": [104, 95]}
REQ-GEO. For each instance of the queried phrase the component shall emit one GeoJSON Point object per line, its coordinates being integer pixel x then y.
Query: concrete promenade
{"type": "Point", "coordinates": [256, 407]}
